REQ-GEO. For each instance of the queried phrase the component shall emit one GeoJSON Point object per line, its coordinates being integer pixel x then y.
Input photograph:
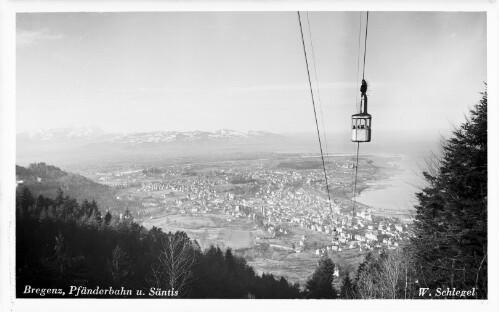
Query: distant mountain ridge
{"type": "Point", "coordinates": [94, 134]}
{"type": "Point", "coordinates": [191, 136]}
{"type": "Point", "coordinates": [69, 146]}
{"type": "Point", "coordinates": [61, 134]}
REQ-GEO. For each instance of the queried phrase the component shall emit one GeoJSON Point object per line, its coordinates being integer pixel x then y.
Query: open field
{"type": "Point", "coordinates": [298, 267]}
{"type": "Point", "coordinates": [210, 229]}
{"type": "Point", "coordinates": [240, 234]}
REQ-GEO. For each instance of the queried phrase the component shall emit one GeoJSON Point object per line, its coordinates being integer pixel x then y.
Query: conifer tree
{"type": "Point", "coordinates": [26, 200]}
{"type": "Point", "coordinates": [120, 266]}
{"type": "Point", "coordinates": [320, 284]}
{"type": "Point", "coordinates": [451, 220]}
{"type": "Point", "coordinates": [107, 218]}
{"type": "Point", "coordinates": [347, 288]}
{"type": "Point", "coordinates": [59, 199]}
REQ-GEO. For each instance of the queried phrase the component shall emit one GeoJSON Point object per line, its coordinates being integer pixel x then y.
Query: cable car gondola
{"type": "Point", "coordinates": [361, 122]}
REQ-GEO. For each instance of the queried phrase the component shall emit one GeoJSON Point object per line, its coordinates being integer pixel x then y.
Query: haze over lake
{"type": "Point", "coordinates": [396, 195]}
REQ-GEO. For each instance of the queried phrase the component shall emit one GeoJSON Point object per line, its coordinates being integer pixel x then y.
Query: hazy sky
{"type": "Point", "coordinates": [127, 72]}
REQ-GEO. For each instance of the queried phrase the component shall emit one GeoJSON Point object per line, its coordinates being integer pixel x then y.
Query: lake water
{"type": "Point", "coordinates": [395, 196]}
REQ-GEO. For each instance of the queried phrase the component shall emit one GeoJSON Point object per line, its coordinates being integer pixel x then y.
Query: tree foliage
{"type": "Point", "coordinates": [450, 240]}
{"type": "Point", "coordinates": [174, 263]}
{"type": "Point", "coordinates": [449, 245]}
{"type": "Point", "coordinates": [62, 243]}
{"type": "Point", "coordinates": [320, 284]}
{"type": "Point", "coordinates": [347, 288]}
{"type": "Point", "coordinates": [388, 275]}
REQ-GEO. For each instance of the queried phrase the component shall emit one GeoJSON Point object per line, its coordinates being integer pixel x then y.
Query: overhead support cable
{"type": "Point", "coordinates": [365, 45]}
{"type": "Point", "coordinates": [355, 181]}
{"type": "Point", "coordinates": [315, 112]}
{"type": "Point", "coordinates": [328, 160]}
{"type": "Point", "coordinates": [358, 143]}
{"type": "Point", "coordinates": [357, 102]}
{"type": "Point", "coordinates": [358, 65]}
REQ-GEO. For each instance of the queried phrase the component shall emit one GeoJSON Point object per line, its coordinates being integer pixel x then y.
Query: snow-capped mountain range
{"type": "Point", "coordinates": [190, 136]}
{"type": "Point", "coordinates": [94, 134]}
{"type": "Point", "coordinates": [66, 133]}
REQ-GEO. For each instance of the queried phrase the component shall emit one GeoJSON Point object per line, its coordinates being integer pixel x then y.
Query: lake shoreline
{"type": "Point", "coordinates": [400, 183]}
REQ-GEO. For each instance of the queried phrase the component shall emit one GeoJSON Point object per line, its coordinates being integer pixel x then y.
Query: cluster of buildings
{"type": "Point", "coordinates": [276, 198]}
{"type": "Point", "coordinates": [375, 235]}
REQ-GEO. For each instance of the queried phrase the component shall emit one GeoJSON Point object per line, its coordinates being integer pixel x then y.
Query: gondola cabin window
{"type": "Point", "coordinates": [361, 127]}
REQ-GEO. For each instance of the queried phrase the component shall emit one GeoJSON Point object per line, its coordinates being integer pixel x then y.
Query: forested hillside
{"type": "Point", "coordinates": [47, 180]}
{"type": "Point", "coordinates": [61, 243]}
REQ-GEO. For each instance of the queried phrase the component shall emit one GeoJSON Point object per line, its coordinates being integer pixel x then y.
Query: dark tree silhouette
{"type": "Point", "coordinates": [58, 245]}
{"type": "Point", "coordinates": [347, 288]}
{"type": "Point", "coordinates": [107, 218]}
{"type": "Point", "coordinates": [25, 200]}
{"type": "Point", "coordinates": [320, 284]}
{"type": "Point", "coordinates": [451, 221]}
{"type": "Point", "coordinates": [120, 266]}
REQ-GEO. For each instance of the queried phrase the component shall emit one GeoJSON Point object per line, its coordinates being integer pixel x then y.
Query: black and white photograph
{"type": "Point", "coordinates": [301, 153]}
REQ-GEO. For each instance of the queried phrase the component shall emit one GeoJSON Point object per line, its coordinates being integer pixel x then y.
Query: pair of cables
{"type": "Point", "coordinates": [314, 106]}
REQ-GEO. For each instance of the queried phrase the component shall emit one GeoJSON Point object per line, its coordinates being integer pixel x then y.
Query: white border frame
{"type": "Point", "coordinates": [8, 9]}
